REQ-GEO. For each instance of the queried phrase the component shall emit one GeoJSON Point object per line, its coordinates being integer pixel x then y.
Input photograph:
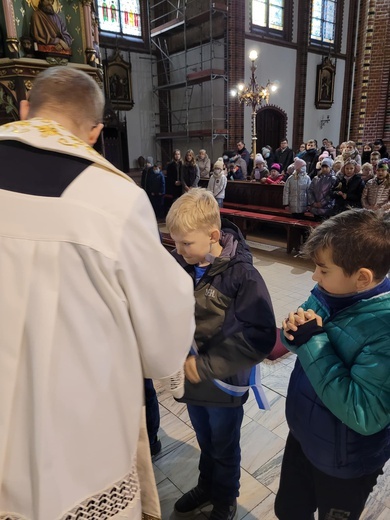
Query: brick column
{"type": "Point", "coordinates": [303, 29]}
{"type": "Point", "coordinates": [235, 66]}
{"type": "Point", "coordinates": [371, 104]}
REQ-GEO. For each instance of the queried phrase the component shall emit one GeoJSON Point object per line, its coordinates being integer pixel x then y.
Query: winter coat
{"type": "Point", "coordinates": [295, 191]}
{"type": "Point", "coordinates": [217, 185]}
{"type": "Point", "coordinates": [284, 157]}
{"type": "Point", "coordinates": [154, 182]}
{"type": "Point", "coordinates": [204, 166]}
{"type": "Point", "coordinates": [276, 180]}
{"type": "Point", "coordinates": [353, 188]}
{"type": "Point", "coordinates": [244, 155]}
{"type": "Point", "coordinates": [174, 173]}
{"type": "Point", "coordinates": [189, 175]}
{"type": "Point", "coordinates": [243, 167]}
{"type": "Point", "coordinates": [235, 324]}
{"type": "Point", "coordinates": [338, 400]}
{"type": "Point", "coordinates": [258, 174]}
{"type": "Point", "coordinates": [311, 158]}
{"type": "Point", "coordinates": [375, 194]}
{"type": "Point", "coordinates": [320, 190]}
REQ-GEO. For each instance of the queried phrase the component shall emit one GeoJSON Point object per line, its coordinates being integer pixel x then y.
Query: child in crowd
{"type": "Point", "coordinates": [337, 165]}
{"type": "Point", "coordinates": [155, 188]}
{"type": "Point", "coordinates": [204, 163]}
{"type": "Point", "coordinates": [235, 329]}
{"type": "Point", "coordinates": [235, 172]}
{"type": "Point", "coordinates": [295, 191]}
{"type": "Point", "coordinates": [302, 150]}
{"type": "Point", "coordinates": [268, 155]}
{"type": "Point", "coordinates": [376, 192]}
{"type": "Point", "coordinates": [367, 172]}
{"type": "Point", "coordinates": [374, 160]}
{"type": "Point", "coordinates": [320, 199]}
{"type": "Point", "coordinates": [259, 171]}
{"type": "Point", "coordinates": [275, 176]}
{"type": "Point", "coordinates": [351, 152]}
{"type": "Point", "coordinates": [190, 172]}
{"type": "Point", "coordinates": [217, 183]}
{"type": "Point", "coordinates": [348, 192]}
{"type": "Point", "coordinates": [338, 399]}
{"type": "Point", "coordinates": [368, 148]}
{"type": "Point", "coordinates": [324, 154]}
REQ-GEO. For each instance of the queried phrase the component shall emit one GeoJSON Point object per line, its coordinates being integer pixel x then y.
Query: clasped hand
{"type": "Point", "coordinates": [295, 319]}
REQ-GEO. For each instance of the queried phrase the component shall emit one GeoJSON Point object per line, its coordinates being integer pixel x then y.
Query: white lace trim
{"type": "Point", "coordinates": [174, 384]}
{"type": "Point", "coordinates": [101, 506]}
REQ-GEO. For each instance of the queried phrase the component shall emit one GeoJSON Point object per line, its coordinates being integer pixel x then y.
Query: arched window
{"type": "Point", "coordinates": [120, 17]}
{"type": "Point", "coordinates": [323, 21]}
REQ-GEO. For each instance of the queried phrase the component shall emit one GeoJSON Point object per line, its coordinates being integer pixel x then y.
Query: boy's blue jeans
{"type": "Point", "coordinates": [218, 432]}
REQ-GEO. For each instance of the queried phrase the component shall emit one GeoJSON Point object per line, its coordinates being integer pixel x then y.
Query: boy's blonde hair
{"type": "Point", "coordinates": [195, 210]}
{"type": "Point", "coordinates": [367, 166]}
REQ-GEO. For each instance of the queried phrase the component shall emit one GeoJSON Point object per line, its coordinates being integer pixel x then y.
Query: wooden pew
{"type": "Point", "coordinates": [295, 228]}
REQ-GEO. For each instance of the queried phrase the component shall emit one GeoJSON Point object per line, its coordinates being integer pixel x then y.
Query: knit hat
{"type": "Point", "coordinates": [327, 162]}
{"type": "Point", "coordinates": [276, 166]}
{"type": "Point", "coordinates": [291, 168]}
{"type": "Point", "coordinates": [383, 166]}
{"type": "Point", "coordinates": [218, 163]}
{"type": "Point", "coordinates": [149, 159]}
{"type": "Point", "coordinates": [298, 163]}
{"type": "Point", "coordinates": [265, 151]}
{"type": "Point", "coordinates": [259, 159]}
{"type": "Point", "coordinates": [324, 154]}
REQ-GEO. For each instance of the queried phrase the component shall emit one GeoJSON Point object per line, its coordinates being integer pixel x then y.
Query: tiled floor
{"type": "Point", "coordinates": [263, 432]}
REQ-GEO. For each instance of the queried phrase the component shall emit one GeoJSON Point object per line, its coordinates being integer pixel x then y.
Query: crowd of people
{"type": "Point", "coordinates": [322, 181]}
{"type": "Point", "coordinates": [93, 308]}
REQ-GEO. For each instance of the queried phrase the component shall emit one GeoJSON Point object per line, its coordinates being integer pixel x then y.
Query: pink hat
{"type": "Point", "coordinates": [298, 163]}
{"type": "Point", "coordinates": [323, 155]}
{"type": "Point", "coordinates": [275, 166]}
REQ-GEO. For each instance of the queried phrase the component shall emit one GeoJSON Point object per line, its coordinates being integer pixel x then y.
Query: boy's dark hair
{"type": "Point", "coordinates": [357, 238]}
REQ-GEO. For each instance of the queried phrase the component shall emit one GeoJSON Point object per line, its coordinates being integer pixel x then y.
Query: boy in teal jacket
{"type": "Point", "coordinates": [338, 401]}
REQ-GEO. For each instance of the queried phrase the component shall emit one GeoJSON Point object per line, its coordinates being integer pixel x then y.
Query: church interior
{"type": "Point", "coordinates": [178, 74]}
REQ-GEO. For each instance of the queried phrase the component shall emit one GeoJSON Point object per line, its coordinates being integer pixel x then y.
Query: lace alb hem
{"type": "Point", "coordinates": [102, 506]}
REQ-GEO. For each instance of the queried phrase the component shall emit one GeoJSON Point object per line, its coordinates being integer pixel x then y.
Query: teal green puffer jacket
{"type": "Point", "coordinates": [338, 403]}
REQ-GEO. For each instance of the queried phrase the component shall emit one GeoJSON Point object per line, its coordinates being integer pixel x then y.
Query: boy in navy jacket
{"type": "Point", "coordinates": [235, 330]}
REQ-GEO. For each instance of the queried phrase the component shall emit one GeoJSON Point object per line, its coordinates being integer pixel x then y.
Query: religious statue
{"type": "Point", "coordinates": [49, 29]}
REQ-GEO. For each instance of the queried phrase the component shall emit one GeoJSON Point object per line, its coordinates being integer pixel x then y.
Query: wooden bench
{"type": "Point", "coordinates": [295, 228]}
{"type": "Point", "coordinates": [167, 241]}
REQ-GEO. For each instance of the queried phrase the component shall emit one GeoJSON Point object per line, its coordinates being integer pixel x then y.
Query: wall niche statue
{"type": "Point", "coordinates": [48, 29]}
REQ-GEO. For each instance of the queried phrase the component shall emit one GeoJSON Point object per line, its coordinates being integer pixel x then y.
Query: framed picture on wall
{"type": "Point", "coordinates": [118, 87]}
{"type": "Point", "coordinates": [325, 84]}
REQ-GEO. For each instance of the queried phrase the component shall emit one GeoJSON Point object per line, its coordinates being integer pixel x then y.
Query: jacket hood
{"type": "Point", "coordinates": [235, 250]}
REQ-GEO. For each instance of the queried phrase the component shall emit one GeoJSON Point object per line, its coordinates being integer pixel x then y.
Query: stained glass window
{"type": "Point", "coordinates": [120, 16]}
{"type": "Point", "coordinates": [323, 20]}
{"type": "Point", "coordinates": [268, 14]}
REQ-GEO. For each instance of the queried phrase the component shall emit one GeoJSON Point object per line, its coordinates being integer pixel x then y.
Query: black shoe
{"type": "Point", "coordinates": [224, 512]}
{"type": "Point", "coordinates": [194, 499]}
{"type": "Point", "coordinates": [155, 448]}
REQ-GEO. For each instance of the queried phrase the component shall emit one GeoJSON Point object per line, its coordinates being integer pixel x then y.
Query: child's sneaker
{"type": "Point", "coordinates": [194, 499]}
{"type": "Point", "coordinates": [224, 512]}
